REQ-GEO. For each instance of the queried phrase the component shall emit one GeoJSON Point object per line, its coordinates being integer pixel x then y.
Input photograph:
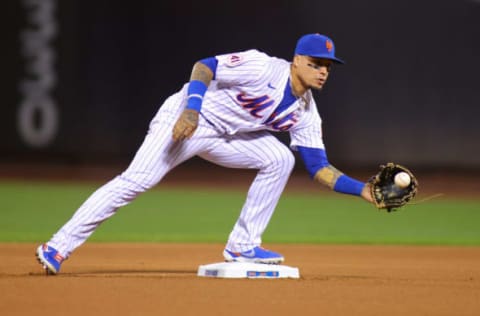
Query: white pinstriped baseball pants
{"type": "Point", "coordinates": [159, 154]}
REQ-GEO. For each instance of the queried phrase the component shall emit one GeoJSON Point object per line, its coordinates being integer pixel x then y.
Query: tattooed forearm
{"type": "Point", "coordinates": [328, 175]}
{"type": "Point", "coordinates": [202, 73]}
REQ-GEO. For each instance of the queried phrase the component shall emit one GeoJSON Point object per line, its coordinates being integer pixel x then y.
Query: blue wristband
{"type": "Point", "coordinates": [348, 185]}
{"type": "Point", "coordinates": [196, 91]}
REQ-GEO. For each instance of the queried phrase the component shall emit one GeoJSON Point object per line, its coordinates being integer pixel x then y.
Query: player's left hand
{"type": "Point", "coordinates": [186, 125]}
{"type": "Point", "coordinates": [386, 193]}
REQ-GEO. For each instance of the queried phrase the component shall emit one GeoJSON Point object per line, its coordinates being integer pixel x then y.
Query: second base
{"type": "Point", "coordinates": [247, 270]}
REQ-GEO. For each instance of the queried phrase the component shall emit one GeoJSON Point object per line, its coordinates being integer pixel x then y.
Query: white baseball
{"type": "Point", "coordinates": [402, 179]}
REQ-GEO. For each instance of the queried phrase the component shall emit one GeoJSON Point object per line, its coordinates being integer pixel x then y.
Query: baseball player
{"type": "Point", "coordinates": [225, 114]}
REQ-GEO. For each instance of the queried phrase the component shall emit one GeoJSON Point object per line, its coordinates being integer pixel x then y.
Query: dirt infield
{"type": "Point", "coordinates": [160, 279]}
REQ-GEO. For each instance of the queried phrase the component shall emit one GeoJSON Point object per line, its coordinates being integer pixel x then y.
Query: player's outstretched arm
{"type": "Point", "coordinates": [322, 171]}
{"type": "Point", "coordinates": [187, 123]}
{"type": "Point", "coordinates": [339, 182]}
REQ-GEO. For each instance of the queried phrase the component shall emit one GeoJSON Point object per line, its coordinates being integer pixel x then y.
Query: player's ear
{"type": "Point", "coordinates": [296, 60]}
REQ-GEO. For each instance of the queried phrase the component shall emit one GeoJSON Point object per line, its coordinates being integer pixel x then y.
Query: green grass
{"type": "Point", "coordinates": [33, 211]}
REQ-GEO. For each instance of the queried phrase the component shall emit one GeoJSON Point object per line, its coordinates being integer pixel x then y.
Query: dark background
{"type": "Point", "coordinates": [409, 92]}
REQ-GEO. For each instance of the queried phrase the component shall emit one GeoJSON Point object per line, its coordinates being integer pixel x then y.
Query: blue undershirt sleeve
{"type": "Point", "coordinates": [313, 158]}
{"type": "Point", "coordinates": [316, 159]}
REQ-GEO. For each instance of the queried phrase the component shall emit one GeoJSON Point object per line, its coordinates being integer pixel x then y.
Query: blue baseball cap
{"type": "Point", "coordinates": [317, 45]}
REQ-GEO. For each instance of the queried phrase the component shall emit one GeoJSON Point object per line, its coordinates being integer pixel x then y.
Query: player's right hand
{"type": "Point", "coordinates": [186, 125]}
{"type": "Point", "coordinates": [367, 193]}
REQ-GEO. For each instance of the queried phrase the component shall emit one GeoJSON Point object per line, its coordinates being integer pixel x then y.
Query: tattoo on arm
{"type": "Point", "coordinates": [202, 73]}
{"type": "Point", "coordinates": [328, 175]}
{"type": "Point", "coordinates": [191, 116]}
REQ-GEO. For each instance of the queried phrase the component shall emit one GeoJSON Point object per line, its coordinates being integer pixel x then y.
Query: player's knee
{"type": "Point", "coordinates": [135, 184]}
{"type": "Point", "coordinates": [289, 161]}
{"type": "Point", "coordinates": [283, 161]}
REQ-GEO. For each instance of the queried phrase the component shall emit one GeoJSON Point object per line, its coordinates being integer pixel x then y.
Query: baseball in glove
{"type": "Point", "coordinates": [388, 195]}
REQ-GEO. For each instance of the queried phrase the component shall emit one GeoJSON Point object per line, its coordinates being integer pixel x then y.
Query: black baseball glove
{"type": "Point", "coordinates": [386, 194]}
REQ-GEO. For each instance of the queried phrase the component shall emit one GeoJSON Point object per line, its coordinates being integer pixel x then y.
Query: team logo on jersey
{"type": "Point", "coordinates": [257, 105]}
{"type": "Point", "coordinates": [283, 124]}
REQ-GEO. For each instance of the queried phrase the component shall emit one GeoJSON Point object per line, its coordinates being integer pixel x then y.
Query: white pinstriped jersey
{"type": "Point", "coordinates": [247, 89]}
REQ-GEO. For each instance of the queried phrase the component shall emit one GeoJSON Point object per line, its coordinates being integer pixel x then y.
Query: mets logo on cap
{"type": "Point", "coordinates": [329, 45]}
{"type": "Point", "coordinates": [317, 45]}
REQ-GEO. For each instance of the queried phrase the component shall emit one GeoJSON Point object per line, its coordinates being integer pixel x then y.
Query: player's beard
{"type": "Point", "coordinates": [307, 85]}
{"type": "Point", "coordinates": [317, 87]}
{"type": "Point", "coordinates": [313, 83]}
